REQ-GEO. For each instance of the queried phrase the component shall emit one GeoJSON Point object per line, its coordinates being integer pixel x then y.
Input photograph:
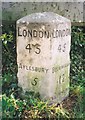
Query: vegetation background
{"type": "Point", "coordinates": [29, 106]}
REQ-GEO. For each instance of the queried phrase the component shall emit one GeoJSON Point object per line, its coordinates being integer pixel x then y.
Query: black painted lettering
{"type": "Point", "coordinates": [34, 33]}
{"type": "Point", "coordinates": [47, 34]}
{"type": "Point", "coordinates": [19, 32]}
{"type": "Point", "coordinates": [38, 50]}
{"type": "Point", "coordinates": [36, 69]}
{"type": "Point", "coordinates": [24, 66]}
{"type": "Point", "coordinates": [68, 32]}
{"type": "Point", "coordinates": [59, 33]}
{"type": "Point", "coordinates": [54, 34]}
{"type": "Point", "coordinates": [33, 69]}
{"type": "Point", "coordinates": [34, 83]}
{"type": "Point", "coordinates": [59, 48]}
{"type": "Point", "coordinates": [28, 47]}
{"type": "Point", "coordinates": [64, 47]}
{"type": "Point", "coordinates": [63, 77]}
{"type": "Point", "coordinates": [24, 33]}
{"type": "Point", "coordinates": [29, 33]}
{"type": "Point", "coordinates": [47, 70]}
{"type": "Point", "coordinates": [27, 68]}
{"type": "Point", "coordinates": [42, 69]}
{"type": "Point", "coordinates": [40, 34]}
{"type": "Point", "coordinates": [63, 33]}
{"type": "Point", "coordinates": [20, 65]}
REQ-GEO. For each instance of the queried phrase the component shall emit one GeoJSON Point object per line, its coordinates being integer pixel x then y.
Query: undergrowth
{"type": "Point", "coordinates": [16, 104]}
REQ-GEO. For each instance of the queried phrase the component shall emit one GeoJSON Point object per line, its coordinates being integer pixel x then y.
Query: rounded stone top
{"type": "Point", "coordinates": [43, 17]}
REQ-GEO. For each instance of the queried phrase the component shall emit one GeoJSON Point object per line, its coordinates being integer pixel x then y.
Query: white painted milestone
{"type": "Point", "coordinates": [43, 47]}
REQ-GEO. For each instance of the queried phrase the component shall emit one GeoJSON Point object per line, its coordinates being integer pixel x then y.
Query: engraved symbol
{"type": "Point", "coordinates": [36, 47]}
{"type": "Point", "coordinates": [61, 79]}
{"type": "Point", "coordinates": [34, 83]}
{"type": "Point", "coordinates": [62, 48]}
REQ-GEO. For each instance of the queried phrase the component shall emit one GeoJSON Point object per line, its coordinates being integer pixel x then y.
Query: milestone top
{"type": "Point", "coordinates": [43, 17]}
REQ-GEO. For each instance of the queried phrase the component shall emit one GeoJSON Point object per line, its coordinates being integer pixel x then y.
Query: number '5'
{"type": "Point", "coordinates": [64, 47]}
{"type": "Point", "coordinates": [34, 82]}
{"type": "Point", "coordinates": [37, 48]}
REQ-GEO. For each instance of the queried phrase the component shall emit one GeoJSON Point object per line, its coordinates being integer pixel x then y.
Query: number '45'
{"type": "Point", "coordinates": [62, 48]}
{"type": "Point", "coordinates": [31, 47]}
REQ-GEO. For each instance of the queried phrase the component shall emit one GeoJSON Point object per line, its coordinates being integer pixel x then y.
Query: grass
{"type": "Point", "coordinates": [27, 106]}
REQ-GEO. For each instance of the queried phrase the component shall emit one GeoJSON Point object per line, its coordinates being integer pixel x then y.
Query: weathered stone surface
{"type": "Point", "coordinates": [43, 46]}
